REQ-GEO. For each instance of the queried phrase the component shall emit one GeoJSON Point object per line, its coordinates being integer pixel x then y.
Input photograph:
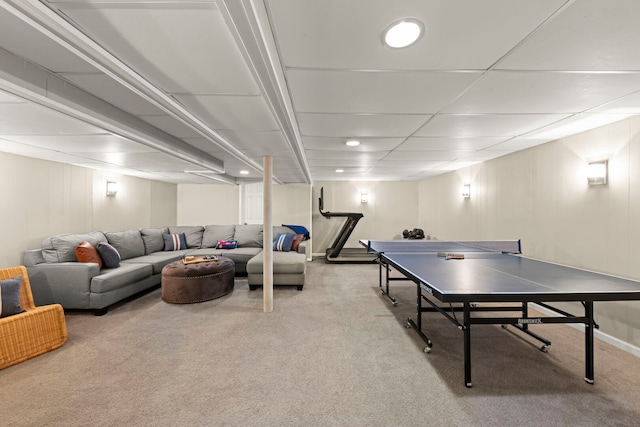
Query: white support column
{"type": "Point", "coordinates": [267, 249]}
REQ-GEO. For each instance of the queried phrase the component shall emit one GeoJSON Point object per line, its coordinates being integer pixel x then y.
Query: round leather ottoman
{"type": "Point", "coordinates": [201, 281]}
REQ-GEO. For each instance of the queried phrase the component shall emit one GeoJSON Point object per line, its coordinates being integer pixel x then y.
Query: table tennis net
{"type": "Point", "coordinates": [427, 246]}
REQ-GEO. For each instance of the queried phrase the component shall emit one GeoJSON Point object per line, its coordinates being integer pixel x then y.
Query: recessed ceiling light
{"type": "Point", "coordinates": [339, 170]}
{"type": "Point", "coordinates": [353, 143]}
{"type": "Point", "coordinates": [402, 33]}
{"type": "Point", "coordinates": [243, 172]}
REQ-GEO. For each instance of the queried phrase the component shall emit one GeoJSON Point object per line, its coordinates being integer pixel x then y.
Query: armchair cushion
{"type": "Point", "coordinates": [10, 296]}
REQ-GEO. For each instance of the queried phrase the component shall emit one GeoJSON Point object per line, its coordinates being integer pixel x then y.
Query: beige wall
{"type": "Point", "coordinates": [541, 196]}
{"type": "Point", "coordinates": [42, 198]}
{"type": "Point", "coordinates": [200, 204]}
{"type": "Point", "coordinates": [392, 208]}
{"type": "Point", "coordinates": [203, 204]}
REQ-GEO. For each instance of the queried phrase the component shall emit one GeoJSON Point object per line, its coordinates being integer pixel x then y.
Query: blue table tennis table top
{"type": "Point", "coordinates": [488, 273]}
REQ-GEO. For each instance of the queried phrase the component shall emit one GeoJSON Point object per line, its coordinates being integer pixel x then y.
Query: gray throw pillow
{"type": "Point", "coordinates": [10, 297]}
{"type": "Point", "coordinates": [109, 254]}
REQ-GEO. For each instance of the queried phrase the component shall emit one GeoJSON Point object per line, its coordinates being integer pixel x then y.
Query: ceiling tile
{"type": "Point", "coordinates": [104, 143]}
{"type": "Point", "coordinates": [181, 47]}
{"type": "Point", "coordinates": [415, 143]}
{"type": "Point", "coordinates": [114, 93]}
{"type": "Point", "coordinates": [32, 119]}
{"type": "Point", "coordinates": [366, 144]}
{"type": "Point", "coordinates": [360, 125]}
{"type": "Point", "coordinates": [587, 35]}
{"type": "Point", "coordinates": [376, 92]}
{"type": "Point", "coordinates": [486, 125]}
{"type": "Point", "coordinates": [542, 92]}
{"type": "Point", "coordinates": [20, 38]}
{"type": "Point", "coordinates": [465, 34]}
{"type": "Point", "coordinates": [420, 156]}
{"type": "Point", "coordinates": [244, 113]}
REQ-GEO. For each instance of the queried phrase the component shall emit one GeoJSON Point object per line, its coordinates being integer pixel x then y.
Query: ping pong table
{"type": "Point", "coordinates": [474, 276]}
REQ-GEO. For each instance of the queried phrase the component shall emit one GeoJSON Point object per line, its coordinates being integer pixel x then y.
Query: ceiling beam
{"type": "Point", "coordinates": [45, 20]}
{"type": "Point", "coordinates": [249, 23]}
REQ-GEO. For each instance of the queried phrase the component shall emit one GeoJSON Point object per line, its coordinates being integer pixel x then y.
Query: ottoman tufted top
{"type": "Point", "coordinates": [180, 269]}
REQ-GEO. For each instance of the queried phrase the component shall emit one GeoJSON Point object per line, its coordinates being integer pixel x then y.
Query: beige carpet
{"type": "Point", "coordinates": [335, 354]}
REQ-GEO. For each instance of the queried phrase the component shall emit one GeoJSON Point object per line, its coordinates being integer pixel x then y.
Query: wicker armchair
{"type": "Point", "coordinates": [29, 334]}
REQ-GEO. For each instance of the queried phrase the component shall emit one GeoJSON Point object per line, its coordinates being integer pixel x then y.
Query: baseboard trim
{"type": "Point", "coordinates": [616, 342]}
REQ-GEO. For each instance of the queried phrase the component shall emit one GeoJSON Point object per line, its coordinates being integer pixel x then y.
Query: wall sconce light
{"type": "Point", "coordinates": [364, 198]}
{"type": "Point", "coordinates": [597, 172]}
{"type": "Point", "coordinates": [466, 191]}
{"type": "Point", "coordinates": [112, 188]}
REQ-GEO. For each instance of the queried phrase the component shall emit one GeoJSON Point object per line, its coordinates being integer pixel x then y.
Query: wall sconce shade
{"type": "Point", "coordinates": [112, 188]}
{"type": "Point", "coordinates": [466, 191]}
{"type": "Point", "coordinates": [597, 172]}
{"type": "Point", "coordinates": [364, 198]}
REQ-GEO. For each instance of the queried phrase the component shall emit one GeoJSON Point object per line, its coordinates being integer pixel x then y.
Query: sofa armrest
{"type": "Point", "coordinates": [305, 248]}
{"type": "Point", "coordinates": [65, 283]}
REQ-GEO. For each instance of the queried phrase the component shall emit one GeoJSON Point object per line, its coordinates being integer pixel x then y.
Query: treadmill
{"type": "Point", "coordinates": [337, 253]}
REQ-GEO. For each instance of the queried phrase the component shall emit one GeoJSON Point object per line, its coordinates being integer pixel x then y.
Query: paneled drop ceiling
{"type": "Point", "coordinates": [198, 91]}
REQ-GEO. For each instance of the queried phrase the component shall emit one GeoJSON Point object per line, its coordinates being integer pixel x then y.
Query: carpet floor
{"type": "Point", "coordinates": [335, 354]}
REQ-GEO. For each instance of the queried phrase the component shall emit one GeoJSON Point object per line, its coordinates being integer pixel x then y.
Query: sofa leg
{"type": "Point", "coordinates": [100, 311]}
{"type": "Point", "coordinates": [300, 287]}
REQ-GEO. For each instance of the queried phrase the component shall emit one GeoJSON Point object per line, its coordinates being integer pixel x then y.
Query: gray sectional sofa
{"type": "Point", "coordinates": [56, 276]}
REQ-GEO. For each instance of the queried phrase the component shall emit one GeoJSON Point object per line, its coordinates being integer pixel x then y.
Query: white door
{"type": "Point", "coordinates": [251, 203]}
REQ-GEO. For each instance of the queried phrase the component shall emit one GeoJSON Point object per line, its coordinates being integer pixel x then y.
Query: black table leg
{"type": "Point", "coordinates": [467, 344]}
{"type": "Point", "coordinates": [588, 341]}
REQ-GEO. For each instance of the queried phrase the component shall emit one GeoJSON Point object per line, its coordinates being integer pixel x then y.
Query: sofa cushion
{"type": "Point", "coordinates": [174, 242]}
{"type": "Point", "coordinates": [249, 235]}
{"type": "Point", "coordinates": [125, 275]}
{"type": "Point", "coordinates": [283, 242]}
{"type": "Point", "coordinates": [152, 239]}
{"type": "Point", "coordinates": [193, 234]}
{"type": "Point", "coordinates": [157, 260]}
{"type": "Point", "coordinates": [109, 254]}
{"type": "Point", "coordinates": [86, 252]}
{"type": "Point", "coordinates": [128, 243]}
{"type": "Point", "coordinates": [62, 247]}
{"type": "Point", "coordinates": [10, 296]}
{"type": "Point", "coordinates": [214, 233]}
{"type": "Point", "coordinates": [283, 263]}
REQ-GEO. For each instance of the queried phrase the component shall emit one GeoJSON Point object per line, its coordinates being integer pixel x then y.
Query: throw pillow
{"type": "Point", "coordinates": [109, 254]}
{"type": "Point", "coordinates": [283, 242]}
{"type": "Point", "coordinates": [296, 242]}
{"type": "Point", "coordinates": [227, 244]}
{"type": "Point", "coordinates": [174, 242]}
{"type": "Point", "coordinates": [10, 296]}
{"type": "Point", "coordinates": [299, 229]}
{"type": "Point", "coordinates": [86, 252]}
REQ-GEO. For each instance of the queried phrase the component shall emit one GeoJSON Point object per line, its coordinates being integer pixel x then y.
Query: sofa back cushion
{"type": "Point", "coordinates": [214, 233]}
{"type": "Point", "coordinates": [192, 233]}
{"type": "Point", "coordinates": [62, 247]}
{"type": "Point", "coordinates": [152, 238]}
{"type": "Point", "coordinates": [249, 235]}
{"type": "Point", "coordinates": [128, 243]}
